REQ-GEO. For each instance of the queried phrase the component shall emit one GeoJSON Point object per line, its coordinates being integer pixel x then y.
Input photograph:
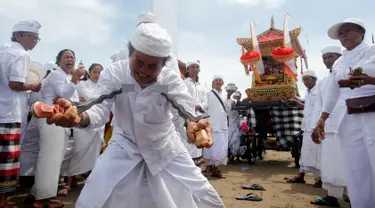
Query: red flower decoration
{"type": "Point", "coordinates": [250, 57]}
{"type": "Point", "coordinates": [283, 53]}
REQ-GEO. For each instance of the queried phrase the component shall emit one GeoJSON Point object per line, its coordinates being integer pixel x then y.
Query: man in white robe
{"type": "Point", "coordinates": [356, 129]}
{"type": "Point", "coordinates": [198, 93]}
{"type": "Point", "coordinates": [217, 105]}
{"type": "Point", "coordinates": [234, 135]}
{"type": "Point", "coordinates": [310, 152]}
{"type": "Point", "coordinates": [14, 67]}
{"type": "Point", "coordinates": [146, 165]}
{"type": "Point", "coordinates": [333, 173]}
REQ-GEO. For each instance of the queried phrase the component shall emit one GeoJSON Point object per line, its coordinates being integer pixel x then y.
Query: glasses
{"type": "Point", "coordinates": [33, 37]}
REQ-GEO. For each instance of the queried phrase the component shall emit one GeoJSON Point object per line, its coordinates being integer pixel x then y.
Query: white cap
{"type": "Point", "coordinates": [27, 26]}
{"type": "Point", "coordinates": [218, 77]}
{"type": "Point", "coordinates": [231, 86]}
{"type": "Point", "coordinates": [50, 66]}
{"type": "Point", "coordinates": [152, 39]}
{"type": "Point", "coordinates": [309, 73]}
{"type": "Point", "coordinates": [147, 17]}
{"type": "Point", "coordinates": [189, 63]}
{"type": "Point", "coordinates": [333, 31]}
{"type": "Point", "coordinates": [237, 93]}
{"type": "Point", "coordinates": [332, 49]}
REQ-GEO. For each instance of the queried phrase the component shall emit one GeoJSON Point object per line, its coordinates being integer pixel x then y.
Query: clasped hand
{"type": "Point", "coordinates": [69, 118]}
{"type": "Point", "coordinates": [193, 128]}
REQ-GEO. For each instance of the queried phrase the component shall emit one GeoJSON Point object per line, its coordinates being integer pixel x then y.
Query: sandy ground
{"type": "Point", "coordinates": [270, 173]}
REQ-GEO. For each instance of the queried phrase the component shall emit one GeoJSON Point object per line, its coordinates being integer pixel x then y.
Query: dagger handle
{"type": "Point", "coordinates": [41, 110]}
{"type": "Point", "coordinates": [201, 138]}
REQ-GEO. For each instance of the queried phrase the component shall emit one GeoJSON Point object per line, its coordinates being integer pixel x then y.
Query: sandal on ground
{"type": "Point", "coordinates": [256, 187]}
{"type": "Point", "coordinates": [249, 197]}
{"type": "Point", "coordinates": [49, 204]}
{"type": "Point", "coordinates": [64, 191]}
{"type": "Point", "coordinates": [325, 201]}
{"type": "Point", "coordinates": [296, 180]}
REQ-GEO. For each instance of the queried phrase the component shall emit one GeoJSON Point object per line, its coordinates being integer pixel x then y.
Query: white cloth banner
{"type": "Point", "coordinates": [166, 13]}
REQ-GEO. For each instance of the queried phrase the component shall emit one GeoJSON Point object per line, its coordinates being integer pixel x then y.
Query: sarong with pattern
{"type": "Point", "coordinates": [9, 156]}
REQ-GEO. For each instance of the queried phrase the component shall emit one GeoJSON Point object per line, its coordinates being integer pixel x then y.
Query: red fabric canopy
{"type": "Point", "coordinates": [270, 36]}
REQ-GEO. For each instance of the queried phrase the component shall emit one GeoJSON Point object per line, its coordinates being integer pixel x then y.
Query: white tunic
{"type": "Point", "coordinates": [146, 155]}
{"type": "Point", "coordinates": [333, 174]}
{"type": "Point", "coordinates": [356, 131]}
{"type": "Point", "coordinates": [53, 139]}
{"type": "Point", "coordinates": [87, 142]}
{"type": "Point", "coordinates": [234, 133]}
{"type": "Point", "coordinates": [30, 145]}
{"type": "Point", "coordinates": [310, 152]}
{"type": "Point", "coordinates": [14, 66]}
{"type": "Point", "coordinates": [218, 153]}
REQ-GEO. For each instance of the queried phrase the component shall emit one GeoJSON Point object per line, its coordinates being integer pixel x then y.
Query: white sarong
{"type": "Point", "coordinates": [121, 178]}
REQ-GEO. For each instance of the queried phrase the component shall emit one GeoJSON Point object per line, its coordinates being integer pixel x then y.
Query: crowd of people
{"type": "Point", "coordinates": [338, 118]}
{"type": "Point", "coordinates": [151, 159]}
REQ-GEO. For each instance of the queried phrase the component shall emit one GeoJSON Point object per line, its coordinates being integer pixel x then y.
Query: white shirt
{"type": "Point", "coordinates": [309, 109]}
{"type": "Point", "coordinates": [57, 84]}
{"type": "Point", "coordinates": [196, 90]}
{"type": "Point", "coordinates": [213, 107]}
{"type": "Point", "coordinates": [143, 117]}
{"type": "Point", "coordinates": [86, 89]}
{"type": "Point", "coordinates": [361, 56]}
{"type": "Point", "coordinates": [331, 125]}
{"type": "Point", "coordinates": [14, 66]}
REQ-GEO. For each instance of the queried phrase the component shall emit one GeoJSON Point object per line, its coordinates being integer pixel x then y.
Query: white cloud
{"type": "Point", "coordinates": [67, 20]}
{"type": "Point", "coordinates": [269, 4]}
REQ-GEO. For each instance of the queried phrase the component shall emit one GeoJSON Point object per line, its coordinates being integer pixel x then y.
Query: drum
{"type": "Point", "coordinates": [36, 73]}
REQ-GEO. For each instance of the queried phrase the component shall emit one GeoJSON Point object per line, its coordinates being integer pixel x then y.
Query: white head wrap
{"type": "Point", "coordinates": [332, 49]}
{"type": "Point", "coordinates": [333, 31]}
{"type": "Point", "coordinates": [309, 73]}
{"type": "Point", "coordinates": [152, 39]}
{"type": "Point", "coordinates": [147, 17]}
{"type": "Point", "coordinates": [189, 63]}
{"type": "Point", "coordinates": [218, 77]}
{"type": "Point", "coordinates": [237, 93]}
{"type": "Point", "coordinates": [27, 26]}
{"type": "Point", "coordinates": [231, 87]}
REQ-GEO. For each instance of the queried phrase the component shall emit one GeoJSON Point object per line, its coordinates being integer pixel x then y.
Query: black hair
{"type": "Point", "coordinates": [86, 76]}
{"type": "Point", "coordinates": [186, 75]}
{"type": "Point", "coordinates": [60, 55]}
{"type": "Point", "coordinates": [132, 50]}
{"type": "Point", "coordinates": [93, 66]}
{"type": "Point", "coordinates": [14, 34]}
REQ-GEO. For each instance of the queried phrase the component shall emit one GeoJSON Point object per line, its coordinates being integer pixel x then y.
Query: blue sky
{"type": "Point", "coordinates": [208, 29]}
